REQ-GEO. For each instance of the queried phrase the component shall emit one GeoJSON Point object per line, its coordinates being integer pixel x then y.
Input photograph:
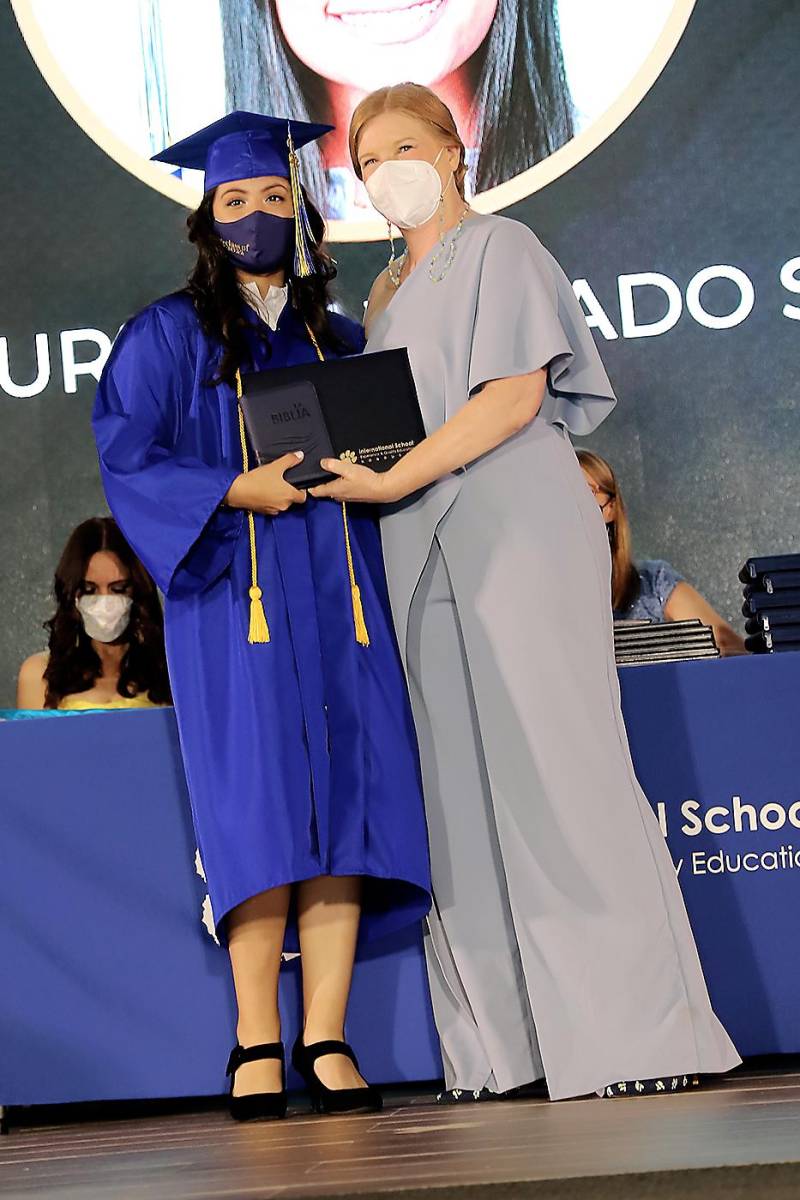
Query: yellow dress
{"type": "Point", "coordinates": [77, 701]}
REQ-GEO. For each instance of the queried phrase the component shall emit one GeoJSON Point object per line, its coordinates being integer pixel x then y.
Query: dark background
{"type": "Point", "coordinates": [705, 171]}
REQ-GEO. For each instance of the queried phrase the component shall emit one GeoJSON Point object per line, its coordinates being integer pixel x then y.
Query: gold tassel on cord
{"type": "Point", "coordinates": [259, 630]}
{"type": "Point", "coordinates": [362, 633]}
{"type": "Point", "coordinates": [302, 226]}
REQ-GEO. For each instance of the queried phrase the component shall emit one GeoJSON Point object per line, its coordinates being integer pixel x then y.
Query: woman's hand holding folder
{"type": "Point", "coordinates": [357, 483]}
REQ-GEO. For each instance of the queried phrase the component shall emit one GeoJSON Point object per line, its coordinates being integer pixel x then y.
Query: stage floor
{"type": "Point", "coordinates": [645, 1147]}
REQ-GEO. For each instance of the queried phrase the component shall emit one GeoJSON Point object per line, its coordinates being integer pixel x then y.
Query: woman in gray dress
{"type": "Point", "coordinates": [558, 946]}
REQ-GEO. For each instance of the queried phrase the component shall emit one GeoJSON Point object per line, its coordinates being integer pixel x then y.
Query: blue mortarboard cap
{"type": "Point", "coordinates": [242, 145]}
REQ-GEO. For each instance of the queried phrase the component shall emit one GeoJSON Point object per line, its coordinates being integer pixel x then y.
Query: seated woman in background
{"type": "Point", "coordinates": [106, 646]}
{"type": "Point", "coordinates": [651, 590]}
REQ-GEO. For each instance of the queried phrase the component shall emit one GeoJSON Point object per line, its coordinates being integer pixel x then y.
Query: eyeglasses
{"type": "Point", "coordinates": [597, 492]}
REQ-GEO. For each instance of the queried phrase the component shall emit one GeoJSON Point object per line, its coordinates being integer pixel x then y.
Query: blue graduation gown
{"type": "Point", "coordinates": [300, 753]}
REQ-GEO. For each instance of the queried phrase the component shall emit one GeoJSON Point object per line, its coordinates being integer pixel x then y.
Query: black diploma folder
{"type": "Point", "coordinates": [755, 568]}
{"type": "Point", "coordinates": [758, 602]}
{"type": "Point", "coordinates": [776, 618]}
{"type": "Point", "coordinates": [786, 637]}
{"type": "Point", "coordinates": [363, 408]}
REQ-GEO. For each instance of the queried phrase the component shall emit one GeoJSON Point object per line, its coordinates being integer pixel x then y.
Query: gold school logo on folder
{"type": "Point", "coordinates": [593, 64]}
{"type": "Point", "coordinates": [388, 452]}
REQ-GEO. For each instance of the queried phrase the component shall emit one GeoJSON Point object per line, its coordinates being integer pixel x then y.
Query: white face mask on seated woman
{"type": "Point", "coordinates": [105, 618]}
{"type": "Point", "coordinates": [407, 191]}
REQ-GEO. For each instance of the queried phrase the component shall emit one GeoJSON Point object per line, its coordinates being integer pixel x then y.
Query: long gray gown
{"type": "Point", "coordinates": [558, 944]}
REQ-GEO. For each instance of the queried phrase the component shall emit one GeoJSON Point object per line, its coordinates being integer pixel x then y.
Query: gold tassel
{"type": "Point", "coordinates": [259, 629]}
{"type": "Point", "coordinates": [302, 226]}
{"type": "Point", "coordinates": [362, 634]}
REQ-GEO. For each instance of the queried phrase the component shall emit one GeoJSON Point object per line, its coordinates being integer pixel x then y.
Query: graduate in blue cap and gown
{"type": "Point", "coordinates": [295, 726]}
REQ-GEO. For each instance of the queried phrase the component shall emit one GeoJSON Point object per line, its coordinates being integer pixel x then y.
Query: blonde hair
{"type": "Point", "coordinates": [415, 101]}
{"type": "Point", "coordinates": [625, 581]}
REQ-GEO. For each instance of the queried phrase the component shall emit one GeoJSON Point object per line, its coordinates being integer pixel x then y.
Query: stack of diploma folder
{"type": "Point", "coordinates": [772, 603]}
{"type": "Point", "coordinates": [637, 642]}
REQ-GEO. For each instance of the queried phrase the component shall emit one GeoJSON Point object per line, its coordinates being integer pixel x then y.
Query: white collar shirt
{"type": "Point", "coordinates": [269, 307]}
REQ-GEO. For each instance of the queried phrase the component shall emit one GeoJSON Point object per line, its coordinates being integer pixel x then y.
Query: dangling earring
{"type": "Point", "coordinates": [392, 256]}
{"type": "Point", "coordinates": [441, 222]}
{"type": "Point", "coordinates": [393, 271]}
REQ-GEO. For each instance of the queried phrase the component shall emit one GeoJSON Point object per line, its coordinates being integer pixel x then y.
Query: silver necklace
{"type": "Point", "coordinates": [395, 265]}
{"type": "Point", "coordinates": [451, 250]}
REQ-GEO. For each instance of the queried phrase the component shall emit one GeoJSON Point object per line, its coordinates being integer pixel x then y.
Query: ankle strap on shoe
{"type": "Point", "coordinates": [245, 1054]}
{"type": "Point", "coordinates": [320, 1049]}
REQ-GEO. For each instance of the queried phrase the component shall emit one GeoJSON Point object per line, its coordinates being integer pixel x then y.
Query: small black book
{"type": "Point", "coordinates": [363, 408]}
{"type": "Point", "coordinates": [664, 656]}
{"type": "Point", "coordinates": [623, 626]}
{"type": "Point", "coordinates": [664, 634]}
{"type": "Point", "coordinates": [698, 641]}
{"type": "Point", "coordinates": [665, 630]}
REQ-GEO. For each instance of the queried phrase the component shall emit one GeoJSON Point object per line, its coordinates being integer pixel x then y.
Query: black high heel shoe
{"type": "Point", "coordinates": [332, 1100]}
{"type": "Point", "coordinates": [259, 1106]}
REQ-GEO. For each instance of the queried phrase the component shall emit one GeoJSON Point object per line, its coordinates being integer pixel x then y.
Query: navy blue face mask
{"type": "Point", "coordinates": [259, 243]}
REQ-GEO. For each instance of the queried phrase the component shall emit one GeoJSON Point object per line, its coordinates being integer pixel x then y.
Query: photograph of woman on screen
{"type": "Point", "coordinates": [496, 63]}
{"type": "Point", "coordinates": [525, 78]}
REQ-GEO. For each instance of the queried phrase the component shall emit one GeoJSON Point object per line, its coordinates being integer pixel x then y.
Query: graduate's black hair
{"type": "Point", "coordinates": [73, 666]}
{"type": "Point", "coordinates": [521, 101]}
{"type": "Point", "coordinates": [214, 290]}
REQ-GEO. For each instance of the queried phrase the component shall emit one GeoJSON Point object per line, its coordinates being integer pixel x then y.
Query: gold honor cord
{"type": "Point", "coordinates": [362, 634]}
{"type": "Point", "coordinates": [259, 630]}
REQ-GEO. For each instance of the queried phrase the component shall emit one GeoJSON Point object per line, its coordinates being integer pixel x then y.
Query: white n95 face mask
{"type": "Point", "coordinates": [105, 618]}
{"type": "Point", "coordinates": [406, 191]}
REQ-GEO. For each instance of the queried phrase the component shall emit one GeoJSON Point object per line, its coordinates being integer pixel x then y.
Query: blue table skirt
{"type": "Point", "coordinates": [112, 989]}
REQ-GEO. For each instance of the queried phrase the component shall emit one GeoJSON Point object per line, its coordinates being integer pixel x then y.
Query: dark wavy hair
{"type": "Point", "coordinates": [520, 97]}
{"type": "Point", "coordinates": [73, 665]}
{"type": "Point", "coordinates": [214, 290]}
